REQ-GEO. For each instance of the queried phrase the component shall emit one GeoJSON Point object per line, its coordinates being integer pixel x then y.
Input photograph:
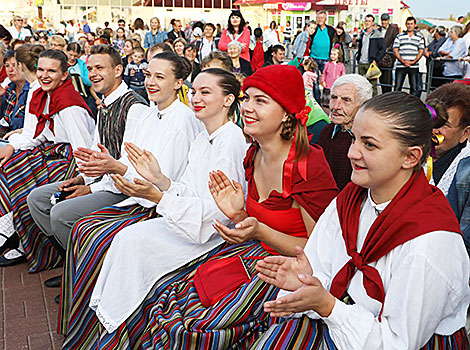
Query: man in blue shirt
{"type": "Point", "coordinates": [322, 41]}
{"type": "Point", "coordinates": [85, 27]}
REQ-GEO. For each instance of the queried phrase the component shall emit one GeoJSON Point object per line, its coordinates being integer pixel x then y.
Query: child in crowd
{"type": "Point", "coordinates": [310, 75]}
{"type": "Point", "coordinates": [257, 55]}
{"type": "Point", "coordinates": [134, 73]}
{"type": "Point", "coordinates": [120, 40]}
{"type": "Point", "coordinates": [334, 68]}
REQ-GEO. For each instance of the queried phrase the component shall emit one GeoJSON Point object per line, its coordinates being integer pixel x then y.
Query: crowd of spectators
{"type": "Point", "coordinates": [199, 184]}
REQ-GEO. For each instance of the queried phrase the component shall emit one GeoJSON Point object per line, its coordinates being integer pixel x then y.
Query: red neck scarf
{"type": "Point", "coordinates": [3, 74]}
{"type": "Point", "coordinates": [62, 97]}
{"type": "Point", "coordinates": [418, 208]}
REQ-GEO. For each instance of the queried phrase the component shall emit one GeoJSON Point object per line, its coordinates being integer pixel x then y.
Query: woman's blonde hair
{"type": "Point", "coordinates": [58, 40]}
{"type": "Point", "coordinates": [159, 26]}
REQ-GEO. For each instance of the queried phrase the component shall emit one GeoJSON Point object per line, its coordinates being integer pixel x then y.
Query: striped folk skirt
{"type": "Point", "coordinates": [91, 238]}
{"type": "Point", "coordinates": [304, 333]}
{"type": "Point", "coordinates": [172, 316]}
{"type": "Point", "coordinates": [23, 172]}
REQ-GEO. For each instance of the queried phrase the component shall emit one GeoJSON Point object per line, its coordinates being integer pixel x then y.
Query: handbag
{"type": "Point", "coordinates": [216, 278]}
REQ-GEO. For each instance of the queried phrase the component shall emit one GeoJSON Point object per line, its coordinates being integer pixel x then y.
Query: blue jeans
{"type": "Point", "coordinates": [287, 46]}
{"type": "Point", "coordinates": [316, 88]}
{"type": "Point", "coordinates": [400, 74]}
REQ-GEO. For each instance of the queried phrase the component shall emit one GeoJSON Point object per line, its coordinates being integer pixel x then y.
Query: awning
{"type": "Point", "coordinates": [316, 4]}
{"type": "Point", "coordinates": [329, 5]}
{"type": "Point", "coordinates": [431, 22]}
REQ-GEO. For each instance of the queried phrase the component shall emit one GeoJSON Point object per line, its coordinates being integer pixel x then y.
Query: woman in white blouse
{"type": "Point", "coordinates": [385, 267]}
{"type": "Point", "coordinates": [142, 253]}
{"type": "Point", "coordinates": [168, 131]}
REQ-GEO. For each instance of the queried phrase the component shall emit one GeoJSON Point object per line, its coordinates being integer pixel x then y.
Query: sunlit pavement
{"type": "Point", "coordinates": [28, 311]}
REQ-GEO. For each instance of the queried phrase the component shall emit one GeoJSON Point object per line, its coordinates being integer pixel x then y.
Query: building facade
{"type": "Point", "coordinates": [352, 12]}
{"type": "Point", "coordinates": [99, 11]}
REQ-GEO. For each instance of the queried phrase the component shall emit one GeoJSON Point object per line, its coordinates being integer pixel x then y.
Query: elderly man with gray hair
{"type": "Point", "coordinates": [347, 94]}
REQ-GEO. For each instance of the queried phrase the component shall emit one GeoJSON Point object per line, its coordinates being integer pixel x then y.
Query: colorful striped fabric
{"type": "Point", "coordinates": [25, 171]}
{"type": "Point", "coordinates": [294, 334]}
{"type": "Point", "coordinates": [172, 316]}
{"type": "Point", "coordinates": [305, 333]}
{"type": "Point", "coordinates": [456, 341]}
{"type": "Point", "coordinates": [90, 239]}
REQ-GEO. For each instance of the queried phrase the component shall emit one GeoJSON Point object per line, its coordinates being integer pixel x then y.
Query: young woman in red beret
{"type": "Point", "coordinates": [385, 266]}
{"type": "Point", "coordinates": [289, 186]}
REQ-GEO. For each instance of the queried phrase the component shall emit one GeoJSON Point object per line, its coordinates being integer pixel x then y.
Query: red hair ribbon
{"type": "Point", "coordinates": [302, 117]}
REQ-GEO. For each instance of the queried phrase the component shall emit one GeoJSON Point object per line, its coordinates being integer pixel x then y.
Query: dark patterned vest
{"type": "Point", "coordinates": [112, 122]}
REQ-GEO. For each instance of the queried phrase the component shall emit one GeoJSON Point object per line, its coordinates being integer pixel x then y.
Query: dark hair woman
{"type": "Point", "coordinates": [359, 283]}
{"type": "Point", "coordinates": [236, 30]}
{"type": "Point", "coordinates": [342, 40]}
{"type": "Point", "coordinates": [222, 145]}
{"type": "Point", "coordinates": [167, 130]}
{"type": "Point", "coordinates": [289, 185]}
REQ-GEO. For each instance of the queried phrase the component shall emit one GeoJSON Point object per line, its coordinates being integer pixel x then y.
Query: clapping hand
{"type": "Point", "coordinates": [82, 153]}
{"type": "Point", "coordinates": [95, 164]}
{"type": "Point", "coordinates": [310, 296]}
{"type": "Point", "coordinates": [146, 165]}
{"type": "Point", "coordinates": [228, 196]}
{"type": "Point", "coordinates": [246, 230]}
{"type": "Point", "coordinates": [282, 271]}
{"type": "Point", "coordinates": [294, 274]}
{"type": "Point", "coordinates": [139, 188]}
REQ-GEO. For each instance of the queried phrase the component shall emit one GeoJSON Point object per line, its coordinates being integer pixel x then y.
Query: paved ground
{"type": "Point", "coordinates": [28, 311]}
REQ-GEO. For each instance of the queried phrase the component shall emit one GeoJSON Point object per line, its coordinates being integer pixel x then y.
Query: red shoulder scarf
{"type": "Point", "coordinates": [62, 97]}
{"type": "Point", "coordinates": [417, 209]}
{"type": "Point", "coordinates": [309, 182]}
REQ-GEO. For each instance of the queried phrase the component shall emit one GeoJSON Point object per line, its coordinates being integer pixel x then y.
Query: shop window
{"type": "Point", "coordinates": [168, 3]}
{"type": "Point", "coordinates": [217, 4]}
{"type": "Point", "coordinates": [67, 12]}
{"type": "Point", "coordinates": [178, 3]}
{"type": "Point", "coordinates": [208, 4]}
{"type": "Point", "coordinates": [116, 14]}
{"type": "Point", "coordinates": [331, 20]}
{"type": "Point", "coordinates": [188, 3]}
{"type": "Point", "coordinates": [227, 4]}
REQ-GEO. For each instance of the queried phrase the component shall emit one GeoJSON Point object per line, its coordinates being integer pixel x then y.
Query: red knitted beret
{"type": "Point", "coordinates": [283, 83]}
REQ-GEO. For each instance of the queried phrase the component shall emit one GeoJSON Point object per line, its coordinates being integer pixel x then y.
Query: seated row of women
{"type": "Point", "coordinates": [221, 244]}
